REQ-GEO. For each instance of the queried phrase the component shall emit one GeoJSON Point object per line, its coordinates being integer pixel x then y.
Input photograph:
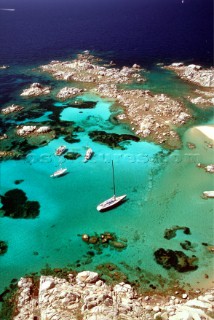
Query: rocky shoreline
{"type": "Point", "coordinates": [86, 296]}
{"type": "Point", "coordinates": [203, 78]}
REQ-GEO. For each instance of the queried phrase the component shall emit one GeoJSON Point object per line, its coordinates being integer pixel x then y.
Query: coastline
{"type": "Point", "coordinates": [85, 295]}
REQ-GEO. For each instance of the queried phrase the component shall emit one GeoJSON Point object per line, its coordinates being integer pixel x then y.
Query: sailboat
{"type": "Point", "coordinates": [113, 201]}
{"type": "Point", "coordinates": [60, 172]}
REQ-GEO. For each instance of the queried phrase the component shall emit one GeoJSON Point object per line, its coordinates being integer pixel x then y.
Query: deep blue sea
{"type": "Point", "coordinates": [143, 31]}
{"type": "Point", "coordinates": [162, 193]}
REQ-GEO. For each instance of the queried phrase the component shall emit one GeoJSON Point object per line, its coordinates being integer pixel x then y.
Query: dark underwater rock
{"type": "Point", "coordinates": [72, 155]}
{"type": "Point", "coordinates": [175, 259]}
{"type": "Point", "coordinates": [71, 139]}
{"type": "Point", "coordinates": [79, 129]}
{"type": "Point", "coordinates": [3, 247]}
{"type": "Point", "coordinates": [83, 104]}
{"type": "Point", "coordinates": [16, 205]}
{"type": "Point", "coordinates": [111, 139]}
{"type": "Point", "coordinates": [18, 181]}
{"type": "Point", "coordinates": [187, 245]}
{"type": "Point", "coordinates": [171, 233]}
{"type": "Point", "coordinates": [21, 146]}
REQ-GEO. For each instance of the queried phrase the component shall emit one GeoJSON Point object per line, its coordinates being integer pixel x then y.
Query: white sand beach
{"type": "Point", "coordinates": [208, 131]}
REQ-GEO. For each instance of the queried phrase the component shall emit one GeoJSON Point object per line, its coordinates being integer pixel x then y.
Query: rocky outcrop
{"type": "Point", "coordinates": [87, 297]}
{"type": "Point", "coordinates": [86, 69]}
{"type": "Point", "coordinates": [29, 130]}
{"type": "Point", "coordinates": [36, 89]}
{"type": "Point", "coordinates": [4, 67]}
{"type": "Point", "coordinates": [11, 109]}
{"type": "Point", "coordinates": [175, 259]}
{"type": "Point", "coordinates": [151, 116]}
{"type": "Point", "coordinates": [197, 75]}
{"type": "Point", "coordinates": [210, 168]}
{"type": "Point", "coordinates": [194, 73]}
{"type": "Point", "coordinates": [68, 92]}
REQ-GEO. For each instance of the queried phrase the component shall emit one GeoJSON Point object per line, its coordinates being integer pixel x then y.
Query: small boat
{"type": "Point", "coordinates": [60, 150]}
{"type": "Point", "coordinates": [113, 201]}
{"type": "Point", "coordinates": [59, 172]}
{"type": "Point", "coordinates": [89, 154]}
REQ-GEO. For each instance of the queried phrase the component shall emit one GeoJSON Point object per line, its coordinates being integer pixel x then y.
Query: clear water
{"type": "Point", "coordinates": [162, 192]}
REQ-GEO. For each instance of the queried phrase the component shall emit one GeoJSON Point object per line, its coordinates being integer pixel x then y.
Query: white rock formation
{"type": "Point", "coordinates": [12, 108]}
{"type": "Point", "coordinates": [89, 298]}
{"type": "Point", "coordinates": [195, 74]}
{"type": "Point", "coordinates": [36, 89]}
{"type": "Point", "coordinates": [68, 92]}
{"type": "Point", "coordinates": [28, 130]}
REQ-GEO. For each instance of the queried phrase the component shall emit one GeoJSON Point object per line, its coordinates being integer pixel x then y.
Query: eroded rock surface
{"type": "Point", "coordinates": [68, 92]}
{"type": "Point", "coordinates": [36, 89]}
{"type": "Point", "coordinates": [11, 109]}
{"type": "Point", "coordinates": [203, 78]}
{"type": "Point", "coordinates": [87, 297]}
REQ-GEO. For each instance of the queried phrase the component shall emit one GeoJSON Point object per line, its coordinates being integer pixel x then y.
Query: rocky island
{"type": "Point", "coordinates": [203, 78]}
{"type": "Point", "coordinates": [36, 89]}
{"type": "Point", "coordinates": [152, 117]}
{"type": "Point", "coordinates": [11, 109]}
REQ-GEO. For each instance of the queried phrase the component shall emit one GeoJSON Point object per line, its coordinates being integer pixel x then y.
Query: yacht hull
{"type": "Point", "coordinates": [111, 203]}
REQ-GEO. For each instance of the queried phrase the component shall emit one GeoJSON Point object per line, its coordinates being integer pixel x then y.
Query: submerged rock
{"type": "Point", "coordinates": [171, 233]}
{"type": "Point", "coordinates": [175, 259]}
{"type": "Point", "coordinates": [3, 247]}
{"type": "Point", "coordinates": [84, 104]}
{"type": "Point", "coordinates": [187, 245]}
{"type": "Point", "coordinates": [15, 205]}
{"type": "Point", "coordinates": [72, 155]}
{"type": "Point", "coordinates": [191, 145]}
{"type": "Point", "coordinates": [112, 139]}
{"type": "Point", "coordinates": [18, 181]}
{"type": "Point", "coordinates": [118, 245]}
{"type": "Point", "coordinates": [105, 239]}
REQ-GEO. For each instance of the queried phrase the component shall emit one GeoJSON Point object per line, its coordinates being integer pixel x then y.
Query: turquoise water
{"type": "Point", "coordinates": [162, 190]}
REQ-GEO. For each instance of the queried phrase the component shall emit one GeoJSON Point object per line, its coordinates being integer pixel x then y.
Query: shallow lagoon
{"type": "Point", "coordinates": [163, 190]}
